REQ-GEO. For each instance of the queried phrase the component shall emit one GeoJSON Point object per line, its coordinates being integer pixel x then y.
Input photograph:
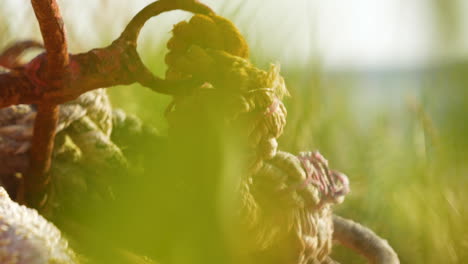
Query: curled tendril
{"type": "Point", "coordinates": [133, 29]}
{"type": "Point", "coordinates": [9, 58]}
{"type": "Point", "coordinates": [129, 38]}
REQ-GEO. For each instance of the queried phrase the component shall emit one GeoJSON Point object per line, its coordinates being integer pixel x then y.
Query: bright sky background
{"type": "Point", "coordinates": [338, 33]}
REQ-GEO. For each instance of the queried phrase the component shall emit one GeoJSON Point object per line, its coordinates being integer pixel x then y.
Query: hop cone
{"type": "Point", "coordinates": [28, 238]}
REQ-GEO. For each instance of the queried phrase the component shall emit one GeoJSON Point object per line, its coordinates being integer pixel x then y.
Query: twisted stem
{"type": "Point", "coordinates": [55, 42]}
{"type": "Point", "coordinates": [363, 241]}
{"type": "Point", "coordinates": [72, 75]}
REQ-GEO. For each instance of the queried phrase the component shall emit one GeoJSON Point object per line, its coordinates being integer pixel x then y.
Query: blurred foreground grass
{"type": "Point", "coordinates": [404, 148]}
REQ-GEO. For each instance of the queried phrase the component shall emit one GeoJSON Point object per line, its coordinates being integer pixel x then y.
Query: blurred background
{"type": "Point", "coordinates": [377, 86]}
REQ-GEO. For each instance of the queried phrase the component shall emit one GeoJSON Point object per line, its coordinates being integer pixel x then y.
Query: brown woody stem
{"type": "Point", "coordinates": [117, 64]}
{"type": "Point", "coordinates": [53, 33]}
{"type": "Point", "coordinates": [41, 150]}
